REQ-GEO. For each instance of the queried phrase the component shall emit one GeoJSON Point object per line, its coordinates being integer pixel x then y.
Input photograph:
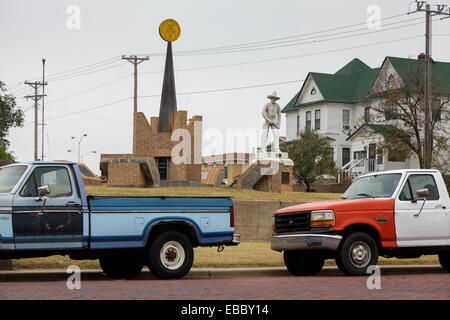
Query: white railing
{"type": "Point", "coordinates": [357, 167]}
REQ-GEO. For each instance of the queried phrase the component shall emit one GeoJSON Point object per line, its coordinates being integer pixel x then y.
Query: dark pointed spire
{"type": "Point", "coordinates": [168, 107]}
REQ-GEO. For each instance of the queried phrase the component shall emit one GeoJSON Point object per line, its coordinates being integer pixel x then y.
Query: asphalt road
{"type": "Point", "coordinates": [279, 285]}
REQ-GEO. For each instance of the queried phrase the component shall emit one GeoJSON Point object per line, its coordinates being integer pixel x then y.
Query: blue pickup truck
{"type": "Point", "coordinates": [44, 210]}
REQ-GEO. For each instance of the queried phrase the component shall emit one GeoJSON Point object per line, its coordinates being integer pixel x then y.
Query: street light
{"type": "Point", "coordinates": [86, 154]}
{"type": "Point", "coordinates": [73, 151]}
{"type": "Point", "coordinates": [79, 143]}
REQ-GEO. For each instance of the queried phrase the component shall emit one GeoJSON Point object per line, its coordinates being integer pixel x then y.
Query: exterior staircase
{"type": "Point", "coordinates": [356, 168]}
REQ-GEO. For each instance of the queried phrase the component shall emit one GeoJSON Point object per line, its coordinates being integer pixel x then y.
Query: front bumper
{"type": "Point", "coordinates": [305, 242]}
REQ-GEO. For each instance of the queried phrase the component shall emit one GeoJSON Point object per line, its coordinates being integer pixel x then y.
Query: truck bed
{"type": "Point", "coordinates": [125, 222]}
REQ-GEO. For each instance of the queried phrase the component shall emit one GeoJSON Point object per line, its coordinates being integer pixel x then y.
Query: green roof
{"type": "Point", "coordinates": [352, 83]}
{"type": "Point", "coordinates": [412, 69]}
{"type": "Point", "coordinates": [383, 129]}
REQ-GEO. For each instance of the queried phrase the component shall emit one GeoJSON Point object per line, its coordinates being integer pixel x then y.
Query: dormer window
{"type": "Point", "coordinates": [313, 91]}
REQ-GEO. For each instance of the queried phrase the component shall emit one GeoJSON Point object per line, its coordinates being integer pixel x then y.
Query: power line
{"type": "Point", "coordinates": [89, 66]}
{"type": "Point", "coordinates": [259, 44]}
{"type": "Point", "coordinates": [86, 69]}
{"type": "Point", "coordinates": [84, 72]}
{"type": "Point", "coordinates": [226, 89]}
{"type": "Point", "coordinates": [300, 43]}
{"type": "Point", "coordinates": [237, 46]}
{"type": "Point", "coordinates": [287, 57]}
{"type": "Point", "coordinates": [88, 89]}
{"type": "Point", "coordinates": [245, 63]}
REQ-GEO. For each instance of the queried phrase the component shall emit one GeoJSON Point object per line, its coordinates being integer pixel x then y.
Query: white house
{"type": "Point", "coordinates": [338, 105]}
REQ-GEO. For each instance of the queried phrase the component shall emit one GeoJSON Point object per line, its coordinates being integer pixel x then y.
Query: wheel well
{"type": "Point", "coordinates": [371, 231]}
{"type": "Point", "coordinates": [179, 226]}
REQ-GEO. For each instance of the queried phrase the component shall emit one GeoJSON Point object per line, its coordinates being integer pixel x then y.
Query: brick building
{"type": "Point", "coordinates": [150, 163]}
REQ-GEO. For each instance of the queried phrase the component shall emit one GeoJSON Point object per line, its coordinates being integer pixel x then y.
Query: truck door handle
{"type": "Point", "coordinates": [440, 206]}
{"type": "Point", "coordinates": [72, 204]}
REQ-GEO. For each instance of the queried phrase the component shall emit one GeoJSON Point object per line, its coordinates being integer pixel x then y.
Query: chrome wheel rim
{"type": "Point", "coordinates": [172, 255]}
{"type": "Point", "coordinates": [360, 254]}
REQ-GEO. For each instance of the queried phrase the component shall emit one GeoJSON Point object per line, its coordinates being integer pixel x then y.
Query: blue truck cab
{"type": "Point", "coordinates": [44, 211]}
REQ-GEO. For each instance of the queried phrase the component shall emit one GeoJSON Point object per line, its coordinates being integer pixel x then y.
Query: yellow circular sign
{"type": "Point", "coordinates": [169, 30]}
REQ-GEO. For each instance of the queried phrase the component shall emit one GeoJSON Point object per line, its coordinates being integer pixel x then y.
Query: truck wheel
{"type": "Point", "coordinates": [121, 266]}
{"type": "Point", "coordinates": [357, 252]}
{"type": "Point", "coordinates": [301, 263]}
{"type": "Point", "coordinates": [170, 255]}
{"type": "Point", "coordinates": [444, 259]}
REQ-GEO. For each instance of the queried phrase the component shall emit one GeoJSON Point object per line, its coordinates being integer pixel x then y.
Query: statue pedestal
{"type": "Point", "coordinates": [282, 157]}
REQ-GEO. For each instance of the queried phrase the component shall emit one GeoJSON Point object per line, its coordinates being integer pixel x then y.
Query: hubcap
{"type": "Point", "coordinates": [360, 254]}
{"type": "Point", "coordinates": [172, 255]}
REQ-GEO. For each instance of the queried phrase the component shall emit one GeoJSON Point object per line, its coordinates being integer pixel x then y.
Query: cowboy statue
{"type": "Point", "coordinates": [272, 116]}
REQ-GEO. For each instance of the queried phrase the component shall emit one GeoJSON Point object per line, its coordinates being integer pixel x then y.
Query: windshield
{"type": "Point", "coordinates": [376, 186]}
{"type": "Point", "coordinates": [9, 176]}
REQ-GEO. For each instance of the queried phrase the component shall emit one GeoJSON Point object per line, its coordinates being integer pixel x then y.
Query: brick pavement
{"type": "Point", "coordinates": [404, 287]}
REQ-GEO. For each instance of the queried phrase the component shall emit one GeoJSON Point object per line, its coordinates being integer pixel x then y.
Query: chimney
{"type": "Point", "coordinates": [421, 56]}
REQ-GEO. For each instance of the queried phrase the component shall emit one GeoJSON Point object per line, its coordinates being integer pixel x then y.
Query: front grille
{"type": "Point", "coordinates": [292, 221]}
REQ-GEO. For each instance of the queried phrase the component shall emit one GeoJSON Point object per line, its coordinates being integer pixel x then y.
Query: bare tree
{"type": "Point", "coordinates": [398, 102]}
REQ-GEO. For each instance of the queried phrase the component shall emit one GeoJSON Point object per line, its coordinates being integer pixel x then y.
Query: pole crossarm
{"type": "Point", "coordinates": [441, 10]}
{"type": "Point", "coordinates": [36, 85]}
{"type": "Point", "coordinates": [135, 60]}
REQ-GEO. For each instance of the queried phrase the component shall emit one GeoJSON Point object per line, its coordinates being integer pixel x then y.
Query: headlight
{"type": "Point", "coordinates": [322, 218]}
{"type": "Point", "coordinates": [273, 222]}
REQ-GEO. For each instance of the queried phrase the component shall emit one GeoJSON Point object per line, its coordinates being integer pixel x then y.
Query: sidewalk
{"type": "Point", "coordinates": [205, 273]}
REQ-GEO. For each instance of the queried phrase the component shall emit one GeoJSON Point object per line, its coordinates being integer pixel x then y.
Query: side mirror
{"type": "Point", "coordinates": [422, 193]}
{"type": "Point", "coordinates": [43, 191]}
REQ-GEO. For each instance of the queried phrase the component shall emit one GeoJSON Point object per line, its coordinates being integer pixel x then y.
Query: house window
{"type": "Point", "coordinates": [308, 120]}
{"type": "Point", "coordinates": [345, 156]}
{"type": "Point", "coordinates": [285, 179]}
{"type": "Point", "coordinates": [346, 119]}
{"type": "Point", "coordinates": [298, 125]}
{"type": "Point", "coordinates": [225, 171]}
{"type": "Point", "coordinates": [317, 119]}
{"type": "Point", "coordinates": [367, 115]}
{"type": "Point", "coordinates": [390, 82]}
{"type": "Point", "coordinates": [436, 109]}
{"type": "Point", "coordinates": [389, 112]}
{"type": "Point", "coordinates": [379, 156]}
{"type": "Point", "coordinates": [357, 155]}
{"type": "Point", "coordinates": [396, 156]}
{"type": "Point", "coordinates": [313, 91]}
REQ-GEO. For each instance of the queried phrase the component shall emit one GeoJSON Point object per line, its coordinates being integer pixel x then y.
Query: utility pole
{"type": "Point", "coordinates": [35, 85]}
{"type": "Point", "coordinates": [135, 61]}
{"type": "Point", "coordinates": [444, 10]}
{"type": "Point", "coordinates": [43, 95]}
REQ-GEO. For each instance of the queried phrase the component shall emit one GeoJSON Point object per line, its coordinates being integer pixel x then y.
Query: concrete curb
{"type": "Point", "coordinates": [205, 273]}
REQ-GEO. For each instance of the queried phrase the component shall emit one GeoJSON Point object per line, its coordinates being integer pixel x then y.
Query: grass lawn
{"type": "Point", "coordinates": [212, 192]}
{"type": "Point", "coordinates": [247, 254]}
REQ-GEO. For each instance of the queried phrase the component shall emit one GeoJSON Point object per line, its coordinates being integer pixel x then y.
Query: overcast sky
{"type": "Point", "coordinates": [35, 29]}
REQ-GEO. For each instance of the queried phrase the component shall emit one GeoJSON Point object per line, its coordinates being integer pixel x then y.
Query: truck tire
{"type": "Point", "coordinates": [170, 255]}
{"type": "Point", "coordinates": [121, 266]}
{"type": "Point", "coordinates": [357, 252]}
{"type": "Point", "coordinates": [301, 263]}
{"type": "Point", "coordinates": [444, 259]}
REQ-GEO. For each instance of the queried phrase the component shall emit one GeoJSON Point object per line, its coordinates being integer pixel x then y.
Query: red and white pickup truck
{"type": "Point", "coordinates": [400, 213]}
